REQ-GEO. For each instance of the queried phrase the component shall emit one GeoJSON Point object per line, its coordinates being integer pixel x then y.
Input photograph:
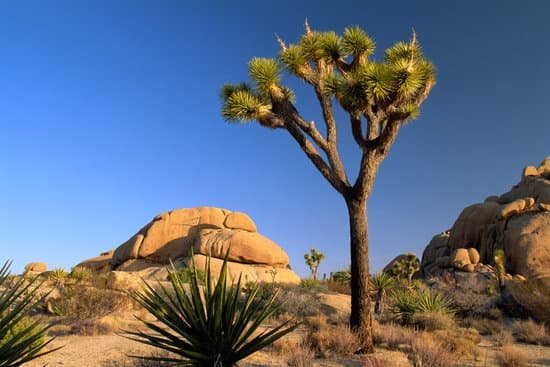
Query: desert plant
{"type": "Point", "coordinates": [80, 273]}
{"type": "Point", "coordinates": [503, 338]}
{"type": "Point", "coordinates": [380, 284]}
{"type": "Point", "coordinates": [57, 274]}
{"type": "Point", "coordinates": [394, 335]}
{"type": "Point", "coordinates": [21, 340]}
{"type": "Point", "coordinates": [81, 302]}
{"type": "Point", "coordinates": [406, 268]}
{"type": "Point", "coordinates": [313, 260]}
{"type": "Point", "coordinates": [528, 331]}
{"type": "Point", "coordinates": [329, 340]}
{"type": "Point", "coordinates": [378, 98]}
{"type": "Point", "coordinates": [499, 257]}
{"type": "Point", "coordinates": [431, 320]}
{"type": "Point", "coordinates": [186, 274]}
{"type": "Point", "coordinates": [342, 276]}
{"type": "Point", "coordinates": [203, 326]}
{"type": "Point", "coordinates": [405, 303]}
{"type": "Point", "coordinates": [511, 356]}
{"type": "Point", "coordinates": [427, 352]}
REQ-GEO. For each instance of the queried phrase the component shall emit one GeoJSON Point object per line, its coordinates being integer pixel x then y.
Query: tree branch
{"type": "Point", "coordinates": [313, 155]}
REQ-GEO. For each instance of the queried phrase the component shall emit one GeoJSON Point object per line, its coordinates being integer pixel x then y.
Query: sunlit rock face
{"type": "Point", "coordinates": [185, 235]}
{"type": "Point", "coordinates": [517, 221]}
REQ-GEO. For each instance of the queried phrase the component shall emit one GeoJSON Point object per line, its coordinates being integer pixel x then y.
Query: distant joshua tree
{"type": "Point", "coordinates": [378, 97]}
{"type": "Point", "coordinates": [313, 260]}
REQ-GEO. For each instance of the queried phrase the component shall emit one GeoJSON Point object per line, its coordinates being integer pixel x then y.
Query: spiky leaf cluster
{"type": "Point", "coordinates": [339, 66]}
{"type": "Point", "coordinates": [405, 303]}
{"type": "Point", "coordinates": [211, 325]}
{"type": "Point", "coordinates": [21, 340]}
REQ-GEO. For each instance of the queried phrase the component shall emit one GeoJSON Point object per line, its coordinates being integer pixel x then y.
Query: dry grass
{"type": "Point", "coordinates": [300, 356]}
{"type": "Point", "coordinates": [503, 338]}
{"type": "Point", "coordinates": [426, 351]}
{"type": "Point", "coordinates": [90, 328]}
{"type": "Point", "coordinates": [461, 342]}
{"type": "Point", "coordinates": [330, 341]}
{"type": "Point", "coordinates": [393, 335]}
{"type": "Point", "coordinates": [433, 321]}
{"type": "Point", "coordinates": [511, 356]}
{"type": "Point", "coordinates": [483, 325]}
{"type": "Point", "coordinates": [528, 331]}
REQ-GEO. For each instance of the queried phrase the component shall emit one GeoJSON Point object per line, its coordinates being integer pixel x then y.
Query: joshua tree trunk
{"type": "Point", "coordinates": [361, 317]}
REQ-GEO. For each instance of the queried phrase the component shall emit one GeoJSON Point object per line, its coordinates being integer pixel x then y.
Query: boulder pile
{"type": "Point", "coordinates": [517, 222]}
{"type": "Point", "coordinates": [187, 236]}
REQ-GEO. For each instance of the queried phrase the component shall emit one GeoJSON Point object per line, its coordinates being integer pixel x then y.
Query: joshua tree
{"type": "Point", "coordinates": [500, 266]}
{"type": "Point", "coordinates": [378, 97]}
{"type": "Point", "coordinates": [313, 260]}
{"type": "Point", "coordinates": [406, 268]}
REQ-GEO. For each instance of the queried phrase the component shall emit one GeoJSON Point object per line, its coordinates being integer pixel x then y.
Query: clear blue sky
{"type": "Point", "coordinates": [109, 114]}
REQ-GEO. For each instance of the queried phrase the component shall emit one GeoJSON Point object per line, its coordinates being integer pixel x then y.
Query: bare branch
{"type": "Point", "coordinates": [357, 130]}
{"type": "Point", "coordinates": [307, 28]}
{"type": "Point", "coordinates": [280, 42]}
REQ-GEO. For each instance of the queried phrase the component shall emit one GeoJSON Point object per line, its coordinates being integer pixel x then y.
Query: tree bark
{"type": "Point", "coordinates": [361, 316]}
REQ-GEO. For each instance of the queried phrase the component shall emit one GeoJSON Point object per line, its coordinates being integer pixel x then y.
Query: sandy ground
{"type": "Point", "coordinates": [113, 351]}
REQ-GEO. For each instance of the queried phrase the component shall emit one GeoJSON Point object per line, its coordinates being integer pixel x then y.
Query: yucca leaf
{"type": "Point", "coordinates": [241, 106]}
{"type": "Point", "coordinates": [264, 72]}
{"type": "Point", "coordinates": [356, 42]}
{"type": "Point", "coordinates": [204, 325]}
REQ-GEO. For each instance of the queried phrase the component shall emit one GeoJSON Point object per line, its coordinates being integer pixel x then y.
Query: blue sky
{"type": "Point", "coordinates": [110, 114]}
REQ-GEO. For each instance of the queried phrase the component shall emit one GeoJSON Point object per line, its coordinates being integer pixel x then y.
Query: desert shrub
{"type": "Point", "coordinates": [301, 355]}
{"type": "Point", "coordinates": [83, 302]}
{"type": "Point", "coordinates": [342, 276]}
{"type": "Point", "coordinates": [90, 327]}
{"type": "Point", "coordinates": [482, 325]}
{"type": "Point", "coordinates": [57, 275]}
{"type": "Point", "coordinates": [312, 285]}
{"type": "Point", "coordinates": [503, 338]}
{"type": "Point", "coordinates": [469, 301]}
{"type": "Point", "coordinates": [461, 342]}
{"type": "Point", "coordinates": [331, 340]}
{"type": "Point", "coordinates": [511, 356]}
{"type": "Point", "coordinates": [528, 331]}
{"type": "Point", "coordinates": [185, 274]}
{"type": "Point", "coordinates": [405, 303]}
{"type": "Point", "coordinates": [393, 335]}
{"type": "Point", "coordinates": [21, 340]}
{"type": "Point", "coordinates": [427, 352]}
{"type": "Point", "coordinates": [533, 296]}
{"type": "Point", "coordinates": [337, 287]}
{"type": "Point", "coordinates": [204, 325]}
{"type": "Point", "coordinates": [297, 302]}
{"type": "Point", "coordinates": [431, 320]}
{"type": "Point", "coordinates": [372, 361]}
{"type": "Point", "coordinates": [80, 273]}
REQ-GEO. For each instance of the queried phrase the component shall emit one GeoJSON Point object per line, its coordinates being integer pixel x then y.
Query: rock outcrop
{"type": "Point", "coordinates": [517, 222]}
{"type": "Point", "coordinates": [35, 268]}
{"type": "Point", "coordinates": [177, 235]}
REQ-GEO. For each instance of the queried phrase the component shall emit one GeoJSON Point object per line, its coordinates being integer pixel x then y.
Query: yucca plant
{"type": "Point", "coordinates": [21, 340]}
{"type": "Point", "coordinates": [58, 275]}
{"type": "Point", "coordinates": [80, 273]}
{"type": "Point", "coordinates": [405, 303]}
{"type": "Point", "coordinates": [211, 325]}
{"type": "Point", "coordinates": [380, 284]}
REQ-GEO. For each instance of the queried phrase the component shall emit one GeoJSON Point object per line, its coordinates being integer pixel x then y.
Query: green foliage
{"type": "Point", "coordinates": [357, 43]}
{"type": "Point", "coordinates": [186, 274]}
{"type": "Point", "coordinates": [214, 325]}
{"type": "Point", "coordinates": [342, 276]}
{"type": "Point", "coordinates": [58, 274]}
{"type": "Point", "coordinates": [397, 84]}
{"type": "Point", "coordinates": [406, 303]}
{"type": "Point", "coordinates": [380, 284]}
{"type": "Point", "coordinates": [313, 260]}
{"type": "Point", "coordinates": [21, 340]}
{"type": "Point", "coordinates": [406, 268]}
{"type": "Point", "coordinates": [80, 273]}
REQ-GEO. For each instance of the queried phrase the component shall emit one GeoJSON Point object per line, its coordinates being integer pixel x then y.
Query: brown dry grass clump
{"type": "Point", "coordinates": [426, 351]}
{"type": "Point", "coordinates": [503, 338]}
{"type": "Point", "coordinates": [433, 321]}
{"type": "Point", "coordinates": [461, 342]}
{"type": "Point", "coordinates": [528, 331]}
{"type": "Point", "coordinates": [393, 336]}
{"type": "Point", "coordinates": [511, 356]}
{"type": "Point", "coordinates": [330, 340]}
